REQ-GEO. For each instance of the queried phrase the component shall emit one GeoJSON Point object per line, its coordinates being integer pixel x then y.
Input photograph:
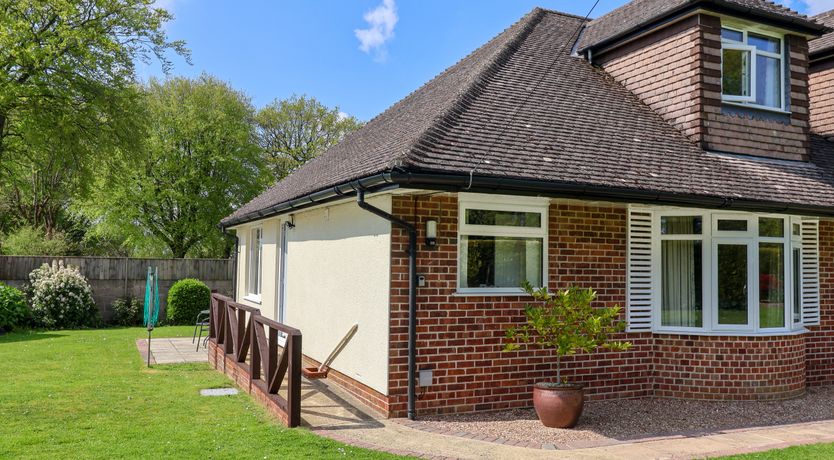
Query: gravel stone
{"type": "Point", "coordinates": [609, 422]}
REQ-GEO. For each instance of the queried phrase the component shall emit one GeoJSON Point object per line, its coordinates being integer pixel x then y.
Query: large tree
{"type": "Point", "coordinates": [67, 94]}
{"type": "Point", "coordinates": [293, 131]}
{"type": "Point", "coordinates": [199, 162]}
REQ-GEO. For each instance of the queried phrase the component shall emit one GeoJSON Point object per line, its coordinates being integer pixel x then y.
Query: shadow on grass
{"type": "Point", "coordinates": [26, 336]}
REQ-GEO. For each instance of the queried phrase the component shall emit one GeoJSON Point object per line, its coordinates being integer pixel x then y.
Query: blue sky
{"type": "Point", "coordinates": [272, 49]}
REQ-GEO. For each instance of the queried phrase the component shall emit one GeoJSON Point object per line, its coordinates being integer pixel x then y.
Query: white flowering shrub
{"type": "Point", "coordinates": [61, 297]}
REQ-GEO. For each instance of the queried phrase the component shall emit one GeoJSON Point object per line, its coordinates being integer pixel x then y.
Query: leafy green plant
{"type": "Point", "coordinates": [13, 309]}
{"type": "Point", "coordinates": [186, 298]}
{"type": "Point", "coordinates": [33, 241]}
{"type": "Point", "coordinates": [127, 311]}
{"type": "Point", "coordinates": [61, 297]}
{"type": "Point", "coordinates": [567, 323]}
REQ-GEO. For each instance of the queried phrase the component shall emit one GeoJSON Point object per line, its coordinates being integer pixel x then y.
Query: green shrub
{"type": "Point", "coordinates": [127, 311]}
{"type": "Point", "coordinates": [32, 241]}
{"type": "Point", "coordinates": [61, 297]}
{"type": "Point", "coordinates": [186, 298]}
{"type": "Point", "coordinates": [13, 309]}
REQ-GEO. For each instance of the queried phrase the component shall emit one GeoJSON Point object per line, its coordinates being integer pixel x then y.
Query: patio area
{"type": "Point", "coordinates": [166, 350]}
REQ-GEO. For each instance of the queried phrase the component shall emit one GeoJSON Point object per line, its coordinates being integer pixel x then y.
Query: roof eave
{"type": "Point", "coordinates": [440, 181]}
{"type": "Point", "coordinates": [807, 27]}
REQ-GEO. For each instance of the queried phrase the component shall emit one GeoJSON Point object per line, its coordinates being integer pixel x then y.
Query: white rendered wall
{"type": "Point", "coordinates": [338, 274]}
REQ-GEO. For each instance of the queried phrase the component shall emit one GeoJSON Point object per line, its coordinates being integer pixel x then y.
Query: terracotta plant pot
{"type": "Point", "coordinates": [558, 405]}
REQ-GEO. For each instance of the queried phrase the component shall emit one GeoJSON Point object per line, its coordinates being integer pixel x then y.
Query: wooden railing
{"type": "Point", "coordinates": [275, 350]}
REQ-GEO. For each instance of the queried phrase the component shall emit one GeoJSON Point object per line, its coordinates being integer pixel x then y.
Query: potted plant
{"type": "Point", "coordinates": [566, 323]}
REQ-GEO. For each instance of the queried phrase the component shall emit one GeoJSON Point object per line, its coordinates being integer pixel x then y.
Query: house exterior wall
{"type": "Point", "coordinates": [677, 72]}
{"type": "Point", "coordinates": [821, 88]}
{"type": "Point", "coordinates": [338, 270]}
{"type": "Point", "coordinates": [460, 337]}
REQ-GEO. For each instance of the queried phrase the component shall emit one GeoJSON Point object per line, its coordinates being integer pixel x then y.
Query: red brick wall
{"type": "Point", "coordinates": [461, 337]}
{"type": "Point", "coordinates": [821, 89]}
{"type": "Point", "coordinates": [820, 342]}
{"type": "Point", "coordinates": [738, 368]}
{"type": "Point", "coordinates": [677, 72]}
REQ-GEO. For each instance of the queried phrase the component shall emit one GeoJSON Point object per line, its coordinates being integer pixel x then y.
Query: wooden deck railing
{"type": "Point", "coordinates": [275, 350]}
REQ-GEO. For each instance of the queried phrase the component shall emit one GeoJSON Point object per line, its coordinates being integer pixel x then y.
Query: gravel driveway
{"type": "Point", "coordinates": [607, 422]}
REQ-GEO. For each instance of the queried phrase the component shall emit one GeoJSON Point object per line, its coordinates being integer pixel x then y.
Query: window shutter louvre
{"type": "Point", "coordinates": [810, 272]}
{"type": "Point", "coordinates": [640, 284]}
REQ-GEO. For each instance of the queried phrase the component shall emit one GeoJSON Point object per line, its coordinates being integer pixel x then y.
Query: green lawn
{"type": "Point", "coordinates": [811, 452]}
{"type": "Point", "coordinates": [86, 394]}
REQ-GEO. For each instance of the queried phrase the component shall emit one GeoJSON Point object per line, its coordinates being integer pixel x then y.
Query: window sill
{"type": "Point", "coordinates": [763, 108]}
{"type": "Point", "coordinates": [253, 299]}
{"type": "Point", "coordinates": [730, 333]}
{"type": "Point", "coordinates": [489, 292]}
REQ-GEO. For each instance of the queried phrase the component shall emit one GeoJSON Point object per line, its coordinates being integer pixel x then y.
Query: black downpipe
{"type": "Point", "coordinates": [412, 294]}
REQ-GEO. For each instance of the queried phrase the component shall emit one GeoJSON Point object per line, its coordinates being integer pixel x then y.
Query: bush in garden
{"type": "Point", "coordinates": [61, 297]}
{"type": "Point", "coordinates": [127, 311]}
{"type": "Point", "coordinates": [13, 309]}
{"type": "Point", "coordinates": [186, 298]}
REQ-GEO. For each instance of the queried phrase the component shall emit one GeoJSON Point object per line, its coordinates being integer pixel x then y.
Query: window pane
{"type": "Point", "coordinates": [772, 227]}
{"type": "Point", "coordinates": [507, 218]}
{"type": "Point", "coordinates": [733, 35]}
{"type": "Point", "coordinates": [795, 230]}
{"type": "Point", "coordinates": [771, 285]}
{"type": "Point", "coordinates": [732, 225]}
{"type": "Point", "coordinates": [681, 283]}
{"type": "Point", "coordinates": [680, 225]}
{"type": "Point", "coordinates": [771, 45]}
{"type": "Point", "coordinates": [768, 81]}
{"type": "Point", "coordinates": [735, 72]}
{"type": "Point", "coordinates": [496, 261]}
{"type": "Point", "coordinates": [797, 285]}
{"type": "Point", "coordinates": [732, 283]}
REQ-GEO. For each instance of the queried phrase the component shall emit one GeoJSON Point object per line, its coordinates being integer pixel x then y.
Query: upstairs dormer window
{"type": "Point", "coordinates": [752, 71]}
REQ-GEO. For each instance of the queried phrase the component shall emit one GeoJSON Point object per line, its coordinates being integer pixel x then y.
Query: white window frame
{"type": "Point", "coordinates": [710, 237]}
{"type": "Point", "coordinates": [749, 101]}
{"type": "Point", "coordinates": [500, 203]}
{"type": "Point", "coordinates": [254, 272]}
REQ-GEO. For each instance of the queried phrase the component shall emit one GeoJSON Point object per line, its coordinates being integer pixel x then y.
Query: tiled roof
{"type": "Point", "coordinates": [826, 42]}
{"type": "Point", "coordinates": [639, 13]}
{"type": "Point", "coordinates": [522, 107]}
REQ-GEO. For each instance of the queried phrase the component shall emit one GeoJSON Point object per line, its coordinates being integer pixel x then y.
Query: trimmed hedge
{"type": "Point", "coordinates": [186, 298]}
{"type": "Point", "coordinates": [13, 309]}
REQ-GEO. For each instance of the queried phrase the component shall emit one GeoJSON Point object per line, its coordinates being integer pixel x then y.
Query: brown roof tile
{"type": "Point", "coordinates": [637, 14]}
{"type": "Point", "coordinates": [826, 42]}
{"type": "Point", "coordinates": [522, 107]}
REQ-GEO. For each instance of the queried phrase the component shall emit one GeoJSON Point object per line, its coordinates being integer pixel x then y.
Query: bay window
{"type": "Point", "coordinates": [752, 70]}
{"type": "Point", "coordinates": [717, 272]}
{"type": "Point", "coordinates": [501, 243]}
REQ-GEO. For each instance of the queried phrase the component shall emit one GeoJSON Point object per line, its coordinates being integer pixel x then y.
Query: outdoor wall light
{"type": "Point", "coordinates": [431, 233]}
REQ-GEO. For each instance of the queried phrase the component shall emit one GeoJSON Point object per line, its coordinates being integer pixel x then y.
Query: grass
{"type": "Point", "coordinates": [86, 394]}
{"type": "Point", "coordinates": [810, 452]}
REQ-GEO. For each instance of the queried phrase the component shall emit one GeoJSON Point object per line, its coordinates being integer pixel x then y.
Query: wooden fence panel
{"type": "Point", "coordinates": [115, 277]}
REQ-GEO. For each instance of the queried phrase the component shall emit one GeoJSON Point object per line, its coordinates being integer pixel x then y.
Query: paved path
{"type": "Point", "coordinates": [172, 351]}
{"type": "Point", "coordinates": [330, 412]}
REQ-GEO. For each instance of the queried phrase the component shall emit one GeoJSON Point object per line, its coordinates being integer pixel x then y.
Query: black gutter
{"type": "Point", "coordinates": [535, 187]}
{"type": "Point", "coordinates": [412, 294]}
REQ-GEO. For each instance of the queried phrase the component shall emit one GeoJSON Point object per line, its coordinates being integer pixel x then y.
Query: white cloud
{"type": "Point", "coordinates": [381, 21]}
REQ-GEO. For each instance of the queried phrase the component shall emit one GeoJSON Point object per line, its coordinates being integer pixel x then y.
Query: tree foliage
{"type": "Point", "coordinates": [200, 161]}
{"type": "Point", "coordinates": [294, 131]}
{"type": "Point", "coordinates": [567, 323]}
{"type": "Point", "coordinates": [67, 95]}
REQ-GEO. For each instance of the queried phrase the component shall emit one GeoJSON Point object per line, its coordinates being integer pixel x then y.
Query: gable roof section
{"type": "Point", "coordinates": [639, 14]}
{"type": "Point", "coordinates": [521, 107]}
{"type": "Point", "coordinates": [825, 43]}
